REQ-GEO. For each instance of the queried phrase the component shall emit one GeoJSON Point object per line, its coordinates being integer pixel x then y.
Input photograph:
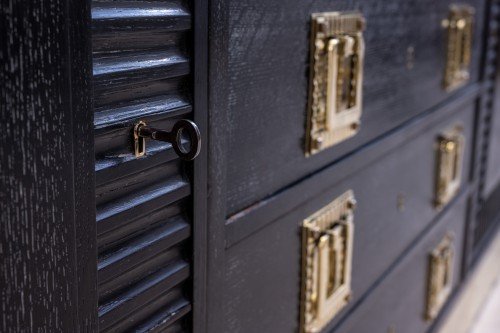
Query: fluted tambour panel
{"type": "Point", "coordinates": [141, 57]}
{"type": "Point", "coordinates": [487, 217]}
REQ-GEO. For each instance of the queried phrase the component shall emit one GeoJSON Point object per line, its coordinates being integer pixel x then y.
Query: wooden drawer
{"type": "Point", "coordinates": [399, 303]}
{"type": "Point", "coordinates": [268, 73]}
{"type": "Point", "coordinates": [393, 183]}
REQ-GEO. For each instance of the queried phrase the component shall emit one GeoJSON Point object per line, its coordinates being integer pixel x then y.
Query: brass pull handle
{"type": "Point", "coordinates": [142, 132]}
{"type": "Point", "coordinates": [336, 80]}
{"type": "Point", "coordinates": [440, 276]}
{"type": "Point", "coordinates": [327, 239]}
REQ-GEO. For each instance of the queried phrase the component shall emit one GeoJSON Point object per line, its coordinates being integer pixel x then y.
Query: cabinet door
{"type": "Point", "coordinates": [143, 70]}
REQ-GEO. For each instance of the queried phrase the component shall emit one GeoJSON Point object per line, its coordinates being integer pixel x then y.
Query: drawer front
{"type": "Point", "coordinates": [268, 83]}
{"type": "Point", "coordinates": [395, 203]}
{"type": "Point", "coordinates": [399, 303]}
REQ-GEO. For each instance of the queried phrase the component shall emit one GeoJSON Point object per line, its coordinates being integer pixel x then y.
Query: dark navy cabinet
{"type": "Point", "coordinates": [348, 176]}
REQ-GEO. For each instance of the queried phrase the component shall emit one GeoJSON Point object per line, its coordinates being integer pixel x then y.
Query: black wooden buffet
{"type": "Point", "coordinates": [245, 166]}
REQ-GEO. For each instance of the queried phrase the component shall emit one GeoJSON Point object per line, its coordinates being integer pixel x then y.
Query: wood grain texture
{"type": "Point", "coordinates": [263, 260]}
{"type": "Point", "coordinates": [80, 61]}
{"type": "Point", "coordinates": [267, 83]}
{"type": "Point", "coordinates": [47, 236]}
{"type": "Point", "coordinates": [201, 248]}
{"type": "Point", "coordinates": [217, 161]}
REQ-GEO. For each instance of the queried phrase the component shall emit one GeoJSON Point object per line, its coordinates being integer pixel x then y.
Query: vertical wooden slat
{"type": "Point", "coordinates": [200, 189]}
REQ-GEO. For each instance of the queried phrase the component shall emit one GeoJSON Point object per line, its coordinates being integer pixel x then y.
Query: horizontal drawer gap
{"type": "Point", "coordinates": [138, 250]}
{"type": "Point", "coordinates": [144, 292]}
{"type": "Point", "coordinates": [168, 105]}
{"type": "Point", "coordinates": [143, 201]}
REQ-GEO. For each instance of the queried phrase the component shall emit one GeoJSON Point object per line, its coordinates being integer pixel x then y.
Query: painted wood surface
{"type": "Point", "coordinates": [267, 84]}
{"type": "Point", "coordinates": [399, 302]}
{"type": "Point", "coordinates": [47, 236]}
{"type": "Point", "coordinates": [393, 182]}
{"type": "Point", "coordinates": [142, 70]}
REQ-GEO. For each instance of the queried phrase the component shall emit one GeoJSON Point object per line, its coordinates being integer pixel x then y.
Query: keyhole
{"type": "Point", "coordinates": [401, 202]}
{"type": "Point", "coordinates": [410, 57]}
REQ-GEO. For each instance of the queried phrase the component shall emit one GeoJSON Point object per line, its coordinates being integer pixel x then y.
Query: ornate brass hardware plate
{"type": "Point", "coordinates": [327, 238]}
{"type": "Point", "coordinates": [459, 24]}
{"type": "Point", "coordinates": [440, 279]}
{"type": "Point", "coordinates": [450, 148]}
{"type": "Point", "coordinates": [336, 79]}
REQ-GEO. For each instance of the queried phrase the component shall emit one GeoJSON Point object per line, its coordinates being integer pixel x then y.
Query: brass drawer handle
{"type": "Point", "coordinates": [450, 151]}
{"type": "Point", "coordinates": [459, 46]}
{"type": "Point", "coordinates": [336, 79]}
{"type": "Point", "coordinates": [327, 241]}
{"type": "Point", "coordinates": [440, 276]}
{"type": "Point", "coordinates": [142, 132]}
